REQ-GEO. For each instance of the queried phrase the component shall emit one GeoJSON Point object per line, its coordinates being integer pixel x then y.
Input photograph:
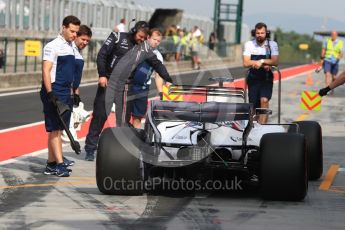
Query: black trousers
{"type": "Point", "coordinates": [100, 115]}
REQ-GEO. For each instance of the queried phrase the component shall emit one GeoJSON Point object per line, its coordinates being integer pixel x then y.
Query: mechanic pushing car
{"type": "Point", "coordinates": [117, 87]}
{"type": "Point", "coordinates": [112, 50]}
{"type": "Point", "coordinates": [109, 56]}
{"type": "Point", "coordinates": [259, 55]}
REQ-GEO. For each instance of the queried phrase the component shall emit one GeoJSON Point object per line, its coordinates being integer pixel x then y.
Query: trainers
{"type": "Point", "coordinates": [50, 168]}
{"type": "Point", "coordinates": [62, 171]}
{"type": "Point", "coordinates": [90, 157]}
{"type": "Point", "coordinates": [68, 162]}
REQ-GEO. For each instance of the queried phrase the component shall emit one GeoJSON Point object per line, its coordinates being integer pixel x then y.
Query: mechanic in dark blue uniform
{"type": "Point", "coordinates": [140, 82]}
{"type": "Point", "coordinates": [83, 38]}
{"type": "Point", "coordinates": [113, 49]}
{"type": "Point", "coordinates": [58, 72]}
{"type": "Point", "coordinates": [259, 55]}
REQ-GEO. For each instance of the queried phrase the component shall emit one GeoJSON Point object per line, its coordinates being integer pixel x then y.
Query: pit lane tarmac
{"type": "Point", "coordinates": [31, 200]}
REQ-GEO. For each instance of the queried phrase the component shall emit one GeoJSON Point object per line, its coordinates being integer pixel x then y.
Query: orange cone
{"type": "Point", "coordinates": [309, 80]}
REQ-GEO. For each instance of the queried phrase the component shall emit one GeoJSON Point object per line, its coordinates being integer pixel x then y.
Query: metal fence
{"type": "Point", "coordinates": [14, 60]}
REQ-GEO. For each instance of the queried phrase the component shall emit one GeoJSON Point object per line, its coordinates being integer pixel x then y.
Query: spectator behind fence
{"type": "Point", "coordinates": [212, 40]}
{"type": "Point", "coordinates": [195, 43]}
{"type": "Point", "coordinates": [121, 27]}
{"type": "Point", "coordinates": [181, 45]}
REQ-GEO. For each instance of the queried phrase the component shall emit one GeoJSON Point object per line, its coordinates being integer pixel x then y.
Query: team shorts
{"type": "Point", "coordinates": [138, 103]}
{"type": "Point", "coordinates": [259, 89]}
{"type": "Point", "coordinates": [330, 67]}
{"type": "Point", "coordinates": [51, 119]}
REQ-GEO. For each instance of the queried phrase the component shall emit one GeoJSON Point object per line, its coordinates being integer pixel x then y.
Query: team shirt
{"type": "Point", "coordinates": [142, 77]}
{"type": "Point", "coordinates": [62, 55]}
{"type": "Point", "coordinates": [257, 52]}
{"type": "Point", "coordinates": [79, 62]}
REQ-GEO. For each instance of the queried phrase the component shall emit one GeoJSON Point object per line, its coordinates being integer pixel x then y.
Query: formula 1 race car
{"type": "Point", "coordinates": [213, 139]}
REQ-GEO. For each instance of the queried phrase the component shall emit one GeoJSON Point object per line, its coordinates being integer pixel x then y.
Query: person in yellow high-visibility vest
{"type": "Point", "coordinates": [331, 53]}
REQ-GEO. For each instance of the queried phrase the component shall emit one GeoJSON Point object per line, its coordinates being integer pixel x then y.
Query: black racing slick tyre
{"type": "Point", "coordinates": [283, 169]}
{"type": "Point", "coordinates": [118, 166]}
{"type": "Point", "coordinates": [313, 134]}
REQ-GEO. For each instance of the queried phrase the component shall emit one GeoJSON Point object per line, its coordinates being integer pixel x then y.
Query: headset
{"type": "Point", "coordinates": [260, 25]}
{"type": "Point", "coordinates": [139, 25]}
{"type": "Point", "coordinates": [268, 34]}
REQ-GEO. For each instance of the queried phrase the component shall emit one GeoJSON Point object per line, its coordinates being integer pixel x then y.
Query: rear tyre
{"type": "Point", "coordinates": [313, 135]}
{"type": "Point", "coordinates": [283, 171]}
{"type": "Point", "coordinates": [118, 166]}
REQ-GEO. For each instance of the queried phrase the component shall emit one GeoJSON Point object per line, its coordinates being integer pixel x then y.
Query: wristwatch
{"type": "Point", "coordinates": [262, 61]}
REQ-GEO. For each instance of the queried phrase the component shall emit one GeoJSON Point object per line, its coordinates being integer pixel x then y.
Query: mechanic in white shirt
{"type": "Point", "coordinates": [260, 54]}
{"type": "Point", "coordinates": [141, 81]}
{"type": "Point", "coordinates": [58, 73]}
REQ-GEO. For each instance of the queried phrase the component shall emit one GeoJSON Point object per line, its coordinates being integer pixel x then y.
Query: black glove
{"type": "Point", "coordinates": [52, 98]}
{"type": "Point", "coordinates": [76, 99]}
{"type": "Point", "coordinates": [324, 91]}
{"type": "Point", "coordinates": [160, 94]}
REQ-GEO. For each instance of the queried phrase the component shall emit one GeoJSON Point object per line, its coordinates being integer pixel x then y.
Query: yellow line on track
{"type": "Point", "coordinates": [302, 117]}
{"type": "Point", "coordinates": [328, 180]}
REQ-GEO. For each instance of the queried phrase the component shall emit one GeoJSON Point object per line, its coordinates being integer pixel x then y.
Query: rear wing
{"type": "Point", "coordinates": [199, 112]}
{"type": "Point", "coordinates": [209, 93]}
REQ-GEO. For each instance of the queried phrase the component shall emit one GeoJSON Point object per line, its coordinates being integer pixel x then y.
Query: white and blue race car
{"type": "Point", "coordinates": [210, 140]}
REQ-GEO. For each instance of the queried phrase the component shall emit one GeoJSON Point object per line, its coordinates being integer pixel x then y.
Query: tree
{"type": "Point", "coordinates": [289, 51]}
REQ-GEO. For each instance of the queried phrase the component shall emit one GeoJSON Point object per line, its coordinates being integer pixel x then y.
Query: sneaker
{"type": "Point", "coordinates": [62, 171]}
{"type": "Point", "coordinates": [90, 157]}
{"type": "Point", "coordinates": [68, 162]}
{"type": "Point", "coordinates": [50, 169]}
